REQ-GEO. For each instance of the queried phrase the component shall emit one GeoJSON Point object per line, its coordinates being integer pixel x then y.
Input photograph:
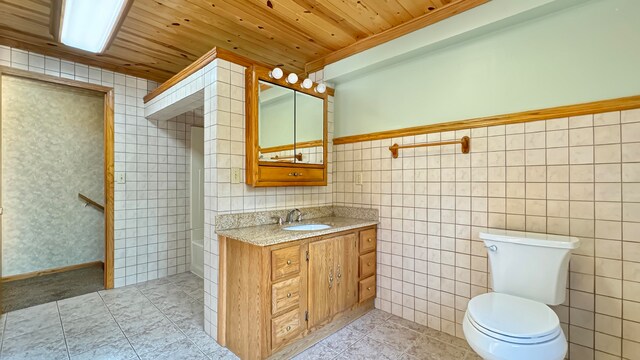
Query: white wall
{"type": "Point", "coordinates": [584, 53]}
{"type": "Point", "coordinates": [52, 138]}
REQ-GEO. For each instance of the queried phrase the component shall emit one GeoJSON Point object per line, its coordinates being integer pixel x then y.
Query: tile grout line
{"type": "Point", "coordinates": [171, 321]}
{"type": "Point", "coordinates": [64, 337]}
{"type": "Point", "coordinates": [4, 330]}
{"type": "Point", "coordinates": [117, 323]}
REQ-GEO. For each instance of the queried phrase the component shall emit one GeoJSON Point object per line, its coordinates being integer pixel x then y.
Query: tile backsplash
{"type": "Point", "coordinates": [575, 176]}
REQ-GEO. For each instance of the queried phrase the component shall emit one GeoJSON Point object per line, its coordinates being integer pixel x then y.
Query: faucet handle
{"type": "Point", "coordinates": [279, 219]}
{"type": "Point", "coordinates": [299, 218]}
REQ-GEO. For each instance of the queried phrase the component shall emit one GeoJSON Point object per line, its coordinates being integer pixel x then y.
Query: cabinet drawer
{"type": "Point", "coordinates": [296, 174]}
{"type": "Point", "coordinates": [367, 240]}
{"type": "Point", "coordinates": [367, 288]}
{"type": "Point", "coordinates": [285, 262]}
{"type": "Point", "coordinates": [285, 327]}
{"type": "Point", "coordinates": [367, 265]}
{"type": "Point", "coordinates": [285, 294]}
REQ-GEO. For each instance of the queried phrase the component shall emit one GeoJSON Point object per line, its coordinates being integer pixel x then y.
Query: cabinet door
{"type": "Point", "coordinates": [346, 268]}
{"type": "Point", "coordinates": [321, 281]}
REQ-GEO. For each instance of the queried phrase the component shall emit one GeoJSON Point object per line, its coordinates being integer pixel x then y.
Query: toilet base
{"type": "Point", "coordinates": [490, 348]}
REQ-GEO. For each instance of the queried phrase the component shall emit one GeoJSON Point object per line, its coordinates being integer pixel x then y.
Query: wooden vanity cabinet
{"type": "Point", "coordinates": [275, 301]}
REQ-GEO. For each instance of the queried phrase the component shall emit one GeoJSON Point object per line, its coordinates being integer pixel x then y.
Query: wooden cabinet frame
{"type": "Point", "coordinates": [265, 173]}
{"type": "Point", "coordinates": [247, 322]}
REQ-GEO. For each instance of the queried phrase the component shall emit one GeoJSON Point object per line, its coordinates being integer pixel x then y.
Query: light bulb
{"type": "Point", "coordinates": [321, 88]}
{"type": "Point", "coordinates": [307, 83]}
{"type": "Point", "coordinates": [292, 78]}
{"type": "Point", "coordinates": [276, 73]}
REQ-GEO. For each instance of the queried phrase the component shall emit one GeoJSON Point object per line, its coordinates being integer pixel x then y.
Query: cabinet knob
{"type": "Point", "coordinates": [288, 262]}
{"type": "Point", "coordinates": [369, 288]}
{"type": "Point", "coordinates": [289, 295]}
{"type": "Point", "coordinates": [369, 263]}
{"type": "Point", "coordinates": [289, 328]}
{"type": "Point", "coordinates": [369, 239]}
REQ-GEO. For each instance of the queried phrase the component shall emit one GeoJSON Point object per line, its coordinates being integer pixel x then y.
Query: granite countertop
{"type": "Point", "coordinates": [265, 235]}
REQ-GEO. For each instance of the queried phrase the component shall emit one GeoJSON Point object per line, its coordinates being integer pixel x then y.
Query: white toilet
{"type": "Point", "coordinates": [529, 272]}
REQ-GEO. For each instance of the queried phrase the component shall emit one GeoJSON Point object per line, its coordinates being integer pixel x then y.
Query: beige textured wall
{"type": "Point", "coordinates": [575, 176]}
{"type": "Point", "coordinates": [52, 149]}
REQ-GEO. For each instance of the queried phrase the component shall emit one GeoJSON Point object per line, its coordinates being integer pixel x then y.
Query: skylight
{"type": "Point", "coordinates": [88, 24]}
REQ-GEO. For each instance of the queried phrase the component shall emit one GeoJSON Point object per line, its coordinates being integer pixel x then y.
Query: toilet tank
{"type": "Point", "coordinates": [529, 265]}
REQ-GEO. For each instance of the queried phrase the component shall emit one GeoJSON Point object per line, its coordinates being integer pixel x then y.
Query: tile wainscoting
{"type": "Point", "coordinates": [575, 176]}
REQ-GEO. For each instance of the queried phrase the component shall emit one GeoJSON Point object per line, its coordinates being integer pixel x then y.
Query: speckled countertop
{"type": "Point", "coordinates": [265, 235]}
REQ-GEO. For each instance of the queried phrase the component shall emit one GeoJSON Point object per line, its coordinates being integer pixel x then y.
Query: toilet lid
{"type": "Point", "coordinates": [514, 317]}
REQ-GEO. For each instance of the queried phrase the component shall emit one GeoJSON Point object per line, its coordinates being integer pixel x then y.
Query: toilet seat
{"type": "Point", "coordinates": [513, 319]}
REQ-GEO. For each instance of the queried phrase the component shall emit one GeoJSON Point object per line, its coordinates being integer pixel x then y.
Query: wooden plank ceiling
{"type": "Point", "coordinates": [158, 38]}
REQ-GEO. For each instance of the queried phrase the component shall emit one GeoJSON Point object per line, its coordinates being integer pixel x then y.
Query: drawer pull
{"type": "Point", "coordinates": [288, 295]}
{"type": "Point", "coordinates": [295, 174]}
{"type": "Point", "coordinates": [288, 262]}
{"type": "Point", "coordinates": [289, 328]}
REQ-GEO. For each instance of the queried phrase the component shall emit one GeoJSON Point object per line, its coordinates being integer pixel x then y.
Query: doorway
{"type": "Point", "coordinates": [56, 188]}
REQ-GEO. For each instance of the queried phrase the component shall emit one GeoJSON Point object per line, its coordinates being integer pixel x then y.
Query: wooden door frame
{"type": "Point", "coordinates": [108, 156]}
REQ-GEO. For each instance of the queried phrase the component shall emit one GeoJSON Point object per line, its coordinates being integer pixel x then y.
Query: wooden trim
{"type": "Point", "coordinates": [5, 70]}
{"type": "Point", "coordinates": [412, 25]}
{"type": "Point", "coordinates": [300, 145]}
{"type": "Point", "coordinates": [109, 103]}
{"type": "Point", "coordinates": [50, 271]}
{"type": "Point", "coordinates": [222, 291]}
{"type": "Point", "coordinates": [123, 14]}
{"type": "Point", "coordinates": [109, 197]}
{"type": "Point", "coordinates": [55, 21]}
{"type": "Point", "coordinates": [596, 107]}
{"type": "Point", "coordinates": [204, 60]}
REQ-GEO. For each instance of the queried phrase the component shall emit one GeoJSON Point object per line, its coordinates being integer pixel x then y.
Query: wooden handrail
{"type": "Point", "coordinates": [88, 201]}
{"type": "Point", "coordinates": [464, 142]}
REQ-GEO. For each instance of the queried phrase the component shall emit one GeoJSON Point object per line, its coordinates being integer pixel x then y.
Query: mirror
{"type": "Point", "coordinates": [290, 125]}
{"type": "Point", "coordinates": [309, 128]}
{"type": "Point", "coordinates": [276, 122]}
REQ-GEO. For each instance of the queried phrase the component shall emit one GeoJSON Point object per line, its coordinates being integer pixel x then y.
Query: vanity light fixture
{"type": "Point", "coordinates": [90, 25]}
{"type": "Point", "coordinates": [321, 88]}
{"type": "Point", "coordinates": [307, 83]}
{"type": "Point", "coordinates": [292, 78]}
{"type": "Point", "coordinates": [276, 73]}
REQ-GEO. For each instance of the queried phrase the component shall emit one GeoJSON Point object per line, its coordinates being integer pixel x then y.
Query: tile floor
{"type": "Point", "coordinates": [163, 319]}
{"type": "Point", "coordinates": [380, 335]}
{"type": "Point", "coordinates": [159, 319]}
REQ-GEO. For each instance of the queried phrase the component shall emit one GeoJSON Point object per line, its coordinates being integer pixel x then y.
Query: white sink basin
{"type": "Point", "coordinates": [307, 227]}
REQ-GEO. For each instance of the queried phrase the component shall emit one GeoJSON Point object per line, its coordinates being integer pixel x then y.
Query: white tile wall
{"type": "Point", "coordinates": [151, 219]}
{"type": "Point", "coordinates": [575, 176]}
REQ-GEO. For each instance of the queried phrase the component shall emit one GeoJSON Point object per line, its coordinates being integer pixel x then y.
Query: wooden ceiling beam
{"type": "Point", "coordinates": [430, 18]}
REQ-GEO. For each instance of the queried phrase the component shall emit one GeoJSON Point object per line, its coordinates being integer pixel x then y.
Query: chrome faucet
{"type": "Point", "coordinates": [290, 216]}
